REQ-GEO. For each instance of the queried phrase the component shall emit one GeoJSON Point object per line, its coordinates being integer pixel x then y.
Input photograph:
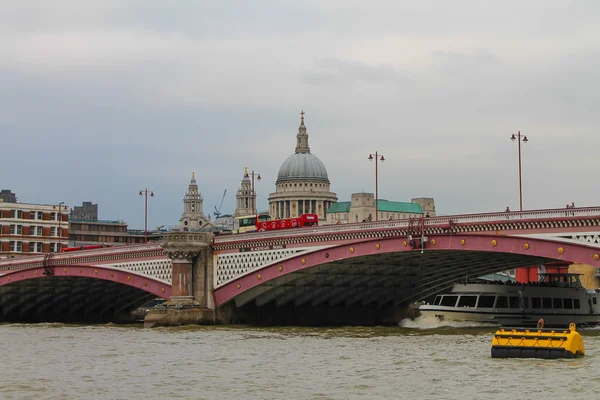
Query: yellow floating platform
{"type": "Point", "coordinates": [537, 343]}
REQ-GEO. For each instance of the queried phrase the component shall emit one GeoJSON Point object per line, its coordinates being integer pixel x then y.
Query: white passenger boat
{"type": "Point", "coordinates": [558, 299]}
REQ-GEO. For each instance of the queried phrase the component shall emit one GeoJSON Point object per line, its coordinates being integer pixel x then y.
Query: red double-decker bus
{"type": "Point", "coordinates": [288, 223]}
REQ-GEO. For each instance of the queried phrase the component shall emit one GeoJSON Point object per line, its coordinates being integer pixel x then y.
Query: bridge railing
{"type": "Point", "coordinates": [38, 257]}
{"type": "Point", "coordinates": [545, 214]}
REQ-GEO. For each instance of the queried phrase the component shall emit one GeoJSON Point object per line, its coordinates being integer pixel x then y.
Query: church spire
{"type": "Point", "coordinates": [302, 137]}
{"type": "Point", "coordinates": [244, 196]}
{"type": "Point", "coordinates": [192, 217]}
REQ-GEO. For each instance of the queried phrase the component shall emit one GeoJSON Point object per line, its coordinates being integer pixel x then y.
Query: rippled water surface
{"type": "Point", "coordinates": [54, 361]}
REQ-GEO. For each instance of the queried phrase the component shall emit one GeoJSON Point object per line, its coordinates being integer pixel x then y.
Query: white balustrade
{"type": "Point", "coordinates": [24, 262]}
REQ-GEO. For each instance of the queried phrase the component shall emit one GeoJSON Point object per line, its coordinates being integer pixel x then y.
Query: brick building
{"type": "Point", "coordinates": [32, 228]}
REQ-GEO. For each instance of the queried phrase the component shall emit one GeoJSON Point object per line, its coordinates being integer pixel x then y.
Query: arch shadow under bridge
{"type": "Point", "coordinates": [75, 293]}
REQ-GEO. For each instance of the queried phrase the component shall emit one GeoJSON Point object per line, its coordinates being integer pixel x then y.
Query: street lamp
{"type": "Point", "coordinates": [59, 228]}
{"type": "Point", "coordinates": [520, 139]}
{"type": "Point", "coordinates": [378, 157]}
{"type": "Point", "coordinates": [145, 191]}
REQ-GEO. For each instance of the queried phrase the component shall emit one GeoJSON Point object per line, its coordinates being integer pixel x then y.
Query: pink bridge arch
{"type": "Point", "coordinates": [536, 249]}
{"type": "Point", "coordinates": [147, 284]}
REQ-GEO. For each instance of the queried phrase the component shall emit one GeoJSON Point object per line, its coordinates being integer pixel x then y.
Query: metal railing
{"type": "Point", "coordinates": [429, 222]}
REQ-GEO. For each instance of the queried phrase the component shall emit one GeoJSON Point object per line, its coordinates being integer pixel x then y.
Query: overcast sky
{"type": "Point", "coordinates": [99, 99]}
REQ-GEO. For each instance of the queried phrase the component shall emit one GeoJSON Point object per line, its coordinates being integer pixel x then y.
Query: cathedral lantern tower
{"type": "Point", "coordinates": [192, 217]}
{"type": "Point", "coordinates": [302, 185]}
{"type": "Point", "coordinates": [244, 196]}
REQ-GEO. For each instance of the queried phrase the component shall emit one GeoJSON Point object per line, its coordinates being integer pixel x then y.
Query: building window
{"type": "Point", "coordinates": [40, 215]}
{"type": "Point", "coordinates": [19, 246]}
{"type": "Point", "coordinates": [12, 229]}
{"type": "Point", "coordinates": [53, 247]}
{"type": "Point", "coordinates": [53, 216]}
{"type": "Point", "coordinates": [12, 245]}
{"type": "Point", "coordinates": [19, 229]}
{"type": "Point", "coordinates": [13, 213]}
{"type": "Point", "coordinates": [32, 247]}
{"type": "Point", "coordinates": [19, 214]}
{"type": "Point", "coordinates": [53, 231]}
{"type": "Point", "coordinates": [31, 214]}
{"type": "Point", "coordinates": [38, 230]}
{"type": "Point", "coordinates": [38, 246]}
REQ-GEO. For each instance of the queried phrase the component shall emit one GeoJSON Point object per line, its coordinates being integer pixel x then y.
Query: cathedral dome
{"type": "Point", "coordinates": [302, 167]}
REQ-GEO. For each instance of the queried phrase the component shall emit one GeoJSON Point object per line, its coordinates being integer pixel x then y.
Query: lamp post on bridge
{"type": "Point", "coordinates": [520, 139]}
{"type": "Point", "coordinates": [378, 157]}
{"type": "Point", "coordinates": [59, 248]}
{"type": "Point", "coordinates": [145, 191]}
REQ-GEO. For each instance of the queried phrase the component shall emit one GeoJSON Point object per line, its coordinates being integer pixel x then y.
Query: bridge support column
{"type": "Point", "coordinates": [191, 300]}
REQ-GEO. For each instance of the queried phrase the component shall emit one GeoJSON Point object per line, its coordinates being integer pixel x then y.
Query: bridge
{"type": "Point", "coordinates": [92, 285]}
{"type": "Point", "coordinates": [353, 273]}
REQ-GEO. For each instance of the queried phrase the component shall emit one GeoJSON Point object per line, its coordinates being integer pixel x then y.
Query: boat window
{"type": "Point", "coordinates": [536, 302]}
{"type": "Point", "coordinates": [467, 301]}
{"type": "Point", "coordinates": [513, 302]}
{"type": "Point", "coordinates": [437, 301]}
{"type": "Point", "coordinates": [594, 300]}
{"type": "Point", "coordinates": [486, 301]}
{"type": "Point", "coordinates": [449, 301]}
{"type": "Point", "coordinates": [557, 303]}
{"type": "Point", "coordinates": [568, 303]}
{"type": "Point", "coordinates": [502, 302]}
{"type": "Point", "coordinates": [576, 304]}
{"type": "Point", "coordinates": [525, 302]}
{"type": "Point", "coordinates": [546, 302]}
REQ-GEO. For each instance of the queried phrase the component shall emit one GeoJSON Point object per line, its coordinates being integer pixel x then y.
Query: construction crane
{"type": "Point", "coordinates": [217, 212]}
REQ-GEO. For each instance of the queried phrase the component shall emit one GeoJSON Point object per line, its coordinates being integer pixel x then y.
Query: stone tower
{"type": "Point", "coordinates": [244, 196]}
{"type": "Point", "coordinates": [427, 205]}
{"type": "Point", "coordinates": [192, 217]}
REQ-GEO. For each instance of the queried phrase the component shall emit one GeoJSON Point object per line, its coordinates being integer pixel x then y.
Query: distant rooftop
{"type": "Point", "coordinates": [7, 196]}
{"type": "Point", "coordinates": [99, 221]}
{"type": "Point", "coordinates": [384, 206]}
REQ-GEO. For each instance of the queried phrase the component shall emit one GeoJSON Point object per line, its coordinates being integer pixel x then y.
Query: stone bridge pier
{"type": "Point", "coordinates": [191, 301]}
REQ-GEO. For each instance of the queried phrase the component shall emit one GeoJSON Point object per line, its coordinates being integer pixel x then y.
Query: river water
{"type": "Point", "coordinates": [56, 361]}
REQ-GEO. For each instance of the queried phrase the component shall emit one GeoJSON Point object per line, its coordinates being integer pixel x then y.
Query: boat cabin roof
{"type": "Point", "coordinates": [560, 279]}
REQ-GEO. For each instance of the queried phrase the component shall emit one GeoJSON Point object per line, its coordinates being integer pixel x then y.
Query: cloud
{"type": "Point", "coordinates": [110, 97]}
{"type": "Point", "coordinates": [338, 72]}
